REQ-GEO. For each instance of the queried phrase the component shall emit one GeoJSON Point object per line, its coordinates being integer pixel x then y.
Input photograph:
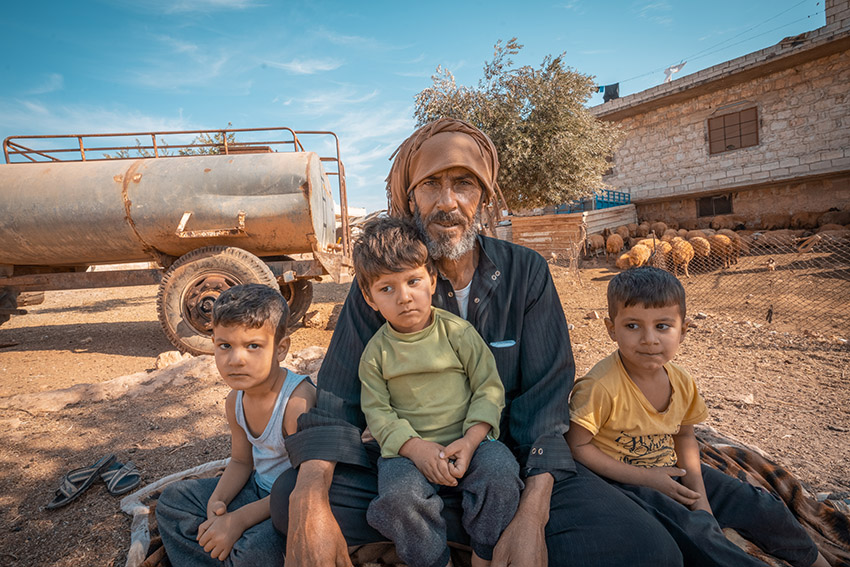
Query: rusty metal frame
{"type": "Point", "coordinates": [82, 151]}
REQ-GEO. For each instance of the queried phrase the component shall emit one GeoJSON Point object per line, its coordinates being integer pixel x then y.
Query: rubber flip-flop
{"type": "Point", "coordinates": [77, 481]}
{"type": "Point", "coordinates": [121, 478]}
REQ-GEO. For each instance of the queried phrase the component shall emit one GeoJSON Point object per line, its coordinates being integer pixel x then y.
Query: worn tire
{"type": "Point", "coordinates": [299, 296]}
{"type": "Point", "coordinates": [191, 285]}
{"type": "Point", "coordinates": [8, 300]}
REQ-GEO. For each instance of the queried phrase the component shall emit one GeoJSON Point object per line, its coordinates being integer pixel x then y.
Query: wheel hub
{"type": "Point", "coordinates": [200, 297]}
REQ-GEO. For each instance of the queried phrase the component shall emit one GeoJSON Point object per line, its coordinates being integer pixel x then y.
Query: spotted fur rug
{"type": "Point", "coordinates": [827, 521]}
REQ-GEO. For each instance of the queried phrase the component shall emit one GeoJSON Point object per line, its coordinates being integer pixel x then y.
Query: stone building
{"type": "Point", "coordinates": [762, 134]}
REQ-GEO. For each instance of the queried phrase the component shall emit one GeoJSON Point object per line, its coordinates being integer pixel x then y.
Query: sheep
{"type": "Point", "coordinates": [806, 219]}
{"type": "Point", "coordinates": [830, 226]}
{"type": "Point", "coordinates": [737, 244]}
{"type": "Point", "coordinates": [702, 249]}
{"type": "Point", "coordinates": [726, 221]}
{"type": "Point", "coordinates": [834, 217]}
{"type": "Point", "coordinates": [836, 235]}
{"type": "Point", "coordinates": [660, 251]}
{"type": "Point", "coordinates": [689, 224]}
{"type": "Point", "coordinates": [658, 228]}
{"type": "Point", "coordinates": [683, 232]}
{"type": "Point", "coordinates": [642, 229]}
{"type": "Point", "coordinates": [673, 224]}
{"type": "Point", "coordinates": [682, 254]}
{"type": "Point", "coordinates": [721, 248]}
{"type": "Point", "coordinates": [633, 241]}
{"type": "Point", "coordinates": [669, 235]}
{"type": "Point", "coordinates": [613, 245]}
{"type": "Point", "coordinates": [777, 238]}
{"type": "Point", "coordinates": [624, 262]}
{"type": "Point", "coordinates": [775, 221]}
{"type": "Point", "coordinates": [632, 229]}
{"type": "Point", "coordinates": [638, 255]}
{"type": "Point", "coordinates": [695, 233]}
{"type": "Point", "coordinates": [593, 244]}
{"type": "Point", "coordinates": [624, 232]}
{"type": "Point", "coordinates": [701, 245]}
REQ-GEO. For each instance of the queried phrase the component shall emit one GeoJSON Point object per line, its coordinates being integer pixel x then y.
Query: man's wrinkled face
{"type": "Point", "coordinates": [447, 209]}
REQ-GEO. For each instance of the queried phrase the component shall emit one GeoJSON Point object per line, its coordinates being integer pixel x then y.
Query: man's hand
{"type": "Point", "coordinates": [661, 479]}
{"type": "Point", "coordinates": [314, 538]}
{"type": "Point", "coordinates": [523, 543]}
{"type": "Point", "coordinates": [426, 455]}
{"type": "Point", "coordinates": [220, 531]}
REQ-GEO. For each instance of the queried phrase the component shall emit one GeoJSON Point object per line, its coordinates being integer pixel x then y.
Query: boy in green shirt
{"type": "Point", "coordinates": [433, 399]}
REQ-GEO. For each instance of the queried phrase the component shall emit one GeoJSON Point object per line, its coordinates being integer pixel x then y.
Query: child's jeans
{"type": "Point", "coordinates": [182, 507]}
{"type": "Point", "coordinates": [407, 509]}
{"type": "Point", "coordinates": [753, 512]}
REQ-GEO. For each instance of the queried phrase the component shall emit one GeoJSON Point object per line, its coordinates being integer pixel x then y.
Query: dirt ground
{"type": "Point", "coordinates": [785, 391]}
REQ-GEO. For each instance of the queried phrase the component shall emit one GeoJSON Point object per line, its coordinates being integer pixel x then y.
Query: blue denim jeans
{"type": "Point", "coordinates": [182, 507]}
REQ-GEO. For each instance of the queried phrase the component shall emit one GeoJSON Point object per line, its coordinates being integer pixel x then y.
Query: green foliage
{"type": "Point", "coordinates": [210, 145]}
{"type": "Point", "coordinates": [551, 149]}
{"type": "Point", "coordinates": [203, 144]}
{"type": "Point", "coordinates": [140, 151]}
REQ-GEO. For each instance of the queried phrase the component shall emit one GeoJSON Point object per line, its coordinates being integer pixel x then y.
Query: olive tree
{"type": "Point", "coordinates": [551, 149]}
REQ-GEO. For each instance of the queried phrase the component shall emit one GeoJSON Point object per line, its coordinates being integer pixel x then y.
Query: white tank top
{"type": "Point", "coordinates": [269, 449]}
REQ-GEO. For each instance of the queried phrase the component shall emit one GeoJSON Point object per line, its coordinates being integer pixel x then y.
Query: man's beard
{"type": "Point", "coordinates": [443, 247]}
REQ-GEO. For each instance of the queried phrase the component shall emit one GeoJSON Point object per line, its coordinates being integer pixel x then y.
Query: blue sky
{"type": "Point", "coordinates": [352, 67]}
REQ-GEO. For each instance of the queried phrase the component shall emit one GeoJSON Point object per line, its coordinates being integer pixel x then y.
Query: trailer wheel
{"type": "Point", "coordinates": [299, 296]}
{"type": "Point", "coordinates": [191, 285]}
{"type": "Point", "coordinates": [8, 300]}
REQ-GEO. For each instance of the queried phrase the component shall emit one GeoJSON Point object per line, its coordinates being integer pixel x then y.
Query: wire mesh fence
{"type": "Point", "coordinates": [790, 279]}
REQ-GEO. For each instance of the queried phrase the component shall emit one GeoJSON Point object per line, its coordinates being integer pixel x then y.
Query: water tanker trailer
{"type": "Point", "coordinates": [203, 210]}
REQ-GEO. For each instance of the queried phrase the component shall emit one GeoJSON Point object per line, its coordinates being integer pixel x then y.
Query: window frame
{"type": "Point", "coordinates": [712, 201]}
{"type": "Point", "coordinates": [734, 130]}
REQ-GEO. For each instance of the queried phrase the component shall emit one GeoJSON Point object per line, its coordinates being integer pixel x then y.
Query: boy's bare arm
{"type": "Point", "coordinates": [221, 529]}
{"type": "Point", "coordinates": [302, 399]}
{"type": "Point", "coordinates": [687, 450]}
{"type": "Point", "coordinates": [659, 478]}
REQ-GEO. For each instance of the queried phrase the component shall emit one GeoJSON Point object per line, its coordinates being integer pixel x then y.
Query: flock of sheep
{"type": "Point", "coordinates": [673, 246]}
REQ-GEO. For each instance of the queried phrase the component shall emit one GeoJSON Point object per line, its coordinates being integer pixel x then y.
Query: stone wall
{"type": "Point", "coordinates": [816, 195]}
{"type": "Point", "coordinates": [837, 12]}
{"type": "Point", "coordinates": [804, 129]}
{"type": "Point", "coordinates": [804, 140]}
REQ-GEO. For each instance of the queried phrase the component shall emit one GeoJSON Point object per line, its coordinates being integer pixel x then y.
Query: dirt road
{"type": "Point", "coordinates": [787, 393]}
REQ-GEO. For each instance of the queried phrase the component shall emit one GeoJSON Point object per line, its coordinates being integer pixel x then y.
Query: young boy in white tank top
{"type": "Point", "coordinates": [206, 521]}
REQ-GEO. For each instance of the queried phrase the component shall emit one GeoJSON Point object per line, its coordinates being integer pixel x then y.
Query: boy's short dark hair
{"type": "Point", "coordinates": [252, 306]}
{"type": "Point", "coordinates": [648, 286]}
{"type": "Point", "coordinates": [387, 245]}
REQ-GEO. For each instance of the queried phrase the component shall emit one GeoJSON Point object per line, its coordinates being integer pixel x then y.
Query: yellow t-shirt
{"type": "Point", "coordinates": [624, 424]}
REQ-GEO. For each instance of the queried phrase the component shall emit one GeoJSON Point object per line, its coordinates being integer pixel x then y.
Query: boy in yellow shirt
{"type": "Point", "coordinates": [433, 399]}
{"type": "Point", "coordinates": [632, 422]}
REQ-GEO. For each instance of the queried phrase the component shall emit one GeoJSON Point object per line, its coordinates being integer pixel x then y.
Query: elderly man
{"type": "Point", "coordinates": [444, 176]}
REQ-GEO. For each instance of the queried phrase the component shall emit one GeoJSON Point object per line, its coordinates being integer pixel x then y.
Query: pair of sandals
{"type": "Point", "coordinates": [120, 478]}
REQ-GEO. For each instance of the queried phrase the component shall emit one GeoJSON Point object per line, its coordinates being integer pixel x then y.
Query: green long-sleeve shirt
{"type": "Point", "coordinates": [433, 384]}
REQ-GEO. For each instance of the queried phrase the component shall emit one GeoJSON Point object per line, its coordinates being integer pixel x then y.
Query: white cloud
{"type": "Point", "coordinates": [29, 119]}
{"type": "Point", "coordinates": [51, 83]}
{"type": "Point", "coordinates": [655, 12]}
{"type": "Point", "coordinates": [208, 5]}
{"type": "Point", "coordinates": [306, 67]}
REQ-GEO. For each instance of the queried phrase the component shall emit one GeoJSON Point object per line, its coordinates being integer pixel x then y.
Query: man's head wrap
{"type": "Point", "coordinates": [435, 147]}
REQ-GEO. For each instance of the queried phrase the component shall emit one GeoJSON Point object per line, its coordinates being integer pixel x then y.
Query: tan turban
{"type": "Point", "coordinates": [435, 147]}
